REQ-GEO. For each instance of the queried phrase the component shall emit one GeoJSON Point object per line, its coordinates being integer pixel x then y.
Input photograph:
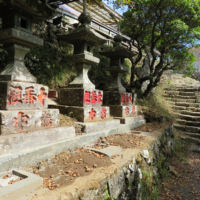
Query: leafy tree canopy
{"type": "Point", "coordinates": [164, 31]}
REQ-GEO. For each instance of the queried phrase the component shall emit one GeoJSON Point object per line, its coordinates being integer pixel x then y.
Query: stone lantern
{"type": "Point", "coordinates": [116, 97]}
{"type": "Point", "coordinates": [23, 102]}
{"type": "Point", "coordinates": [80, 97]}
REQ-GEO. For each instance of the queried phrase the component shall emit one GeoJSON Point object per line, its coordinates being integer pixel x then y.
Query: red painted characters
{"type": "Point", "coordinates": [93, 97]}
{"type": "Point", "coordinates": [126, 98]}
{"type": "Point", "coordinates": [42, 97]}
{"type": "Point", "coordinates": [92, 114]}
{"type": "Point", "coordinates": [87, 97]}
{"type": "Point", "coordinates": [133, 110]}
{"type": "Point", "coordinates": [21, 121]}
{"type": "Point", "coordinates": [103, 113]}
{"type": "Point", "coordinates": [127, 110]}
{"type": "Point", "coordinates": [46, 120]}
{"type": "Point", "coordinates": [27, 96]}
{"type": "Point", "coordinates": [14, 96]}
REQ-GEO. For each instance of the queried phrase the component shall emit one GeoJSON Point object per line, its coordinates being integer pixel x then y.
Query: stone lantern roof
{"type": "Point", "coordinates": [39, 11]}
{"type": "Point", "coordinates": [84, 33]}
{"type": "Point", "coordinates": [118, 50]}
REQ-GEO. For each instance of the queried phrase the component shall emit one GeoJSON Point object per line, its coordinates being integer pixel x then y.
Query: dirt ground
{"type": "Point", "coordinates": [149, 127]}
{"type": "Point", "coordinates": [64, 168]}
{"type": "Point", "coordinates": [187, 186]}
{"type": "Point", "coordinates": [69, 121]}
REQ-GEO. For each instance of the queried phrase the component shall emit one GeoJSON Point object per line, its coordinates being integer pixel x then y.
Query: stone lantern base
{"type": "Point", "coordinates": [123, 111]}
{"type": "Point", "coordinates": [84, 104]}
{"type": "Point", "coordinates": [88, 114]}
{"type": "Point", "coordinates": [117, 98]}
{"type": "Point", "coordinates": [24, 121]}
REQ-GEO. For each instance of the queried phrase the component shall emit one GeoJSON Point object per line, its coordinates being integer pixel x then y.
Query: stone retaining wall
{"type": "Point", "coordinates": [126, 183]}
{"type": "Point", "coordinates": [130, 176]}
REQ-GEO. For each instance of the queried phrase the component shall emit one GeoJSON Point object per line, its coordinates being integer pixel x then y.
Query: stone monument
{"type": "Point", "coordinates": [116, 97]}
{"type": "Point", "coordinates": [23, 102]}
{"type": "Point", "coordinates": [81, 98]}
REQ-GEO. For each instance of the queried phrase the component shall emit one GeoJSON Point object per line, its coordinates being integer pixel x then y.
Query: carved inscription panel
{"type": "Point", "coordinates": [19, 95]}
{"type": "Point", "coordinates": [93, 97]}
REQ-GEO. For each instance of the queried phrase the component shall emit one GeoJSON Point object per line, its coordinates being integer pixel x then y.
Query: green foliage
{"type": "Point", "coordinates": [41, 6]}
{"type": "Point", "coordinates": [98, 74]}
{"type": "Point", "coordinates": [149, 191]}
{"type": "Point", "coordinates": [180, 148]}
{"type": "Point", "coordinates": [48, 62]}
{"type": "Point", "coordinates": [165, 30]}
{"type": "Point", "coordinates": [107, 195]}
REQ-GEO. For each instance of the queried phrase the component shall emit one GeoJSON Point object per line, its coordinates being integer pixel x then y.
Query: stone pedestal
{"type": "Point", "coordinates": [23, 102]}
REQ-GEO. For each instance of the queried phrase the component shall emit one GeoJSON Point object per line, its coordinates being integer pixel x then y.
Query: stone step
{"type": "Point", "coordinates": [179, 96]}
{"type": "Point", "coordinates": [182, 100]}
{"type": "Point", "coordinates": [191, 129]}
{"type": "Point", "coordinates": [183, 89]}
{"type": "Point", "coordinates": [22, 141]}
{"type": "Point", "coordinates": [187, 117]}
{"type": "Point", "coordinates": [195, 149]}
{"type": "Point", "coordinates": [195, 135]}
{"type": "Point", "coordinates": [188, 123]}
{"type": "Point", "coordinates": [186, 104]}
{"type": "Point", "coordinates": [192, 109]}
{"type": "Point", "coordinates": [186, 112]}
{"type": "Point", "coordinates": [191, 139]}
{"type": "Point", "coordinates": [180, 93]}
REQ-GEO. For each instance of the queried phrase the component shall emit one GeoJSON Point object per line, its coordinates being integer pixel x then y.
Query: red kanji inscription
{"type": "Point", "coordinates": [21, 121]}
{"type": "Point", "coordinates": [46, 120]}
{"type": "Point", "coordinates": [94, 97]}
{"type": "Point", "coordinates": [130, 98]}
{"type": "Point", "coordinates": [103, 113]}
{"type": "Point", "coordinates": [123, 98]}
{"type": "Point", "coordinates": [99, 98]}
{"type": "Point", "coordinates": [30, 96]}
{"type": "Point", "coordinates": [87, 97]}
{"type": "Point", "coordinates": [126, 98]}
{"type": "Point", "coordinates": [133, 110]}
{"type": "Point", "coordinates": [92, 114]}
{"type": "Point", "coordinates": [42, 97]}
{"type": "Point", "coordinates": [127, 110]}
{"type": "Point", "coordinates": [15, 96]}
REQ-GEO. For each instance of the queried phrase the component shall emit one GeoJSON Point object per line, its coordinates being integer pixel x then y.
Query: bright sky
{"type": "Point", "coordinates": [120, 11]}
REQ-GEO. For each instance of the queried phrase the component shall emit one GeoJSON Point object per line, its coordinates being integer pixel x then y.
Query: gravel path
{"type": "Point", "coordinates": [187, 186]}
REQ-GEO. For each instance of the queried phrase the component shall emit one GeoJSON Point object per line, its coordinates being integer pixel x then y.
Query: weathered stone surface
{"type": "Point", "coordinates": [81, 97]}
{"type": "Point", "coordinates": [83, 57]}
{"type": "Point", "coordinates": [16, 121]}
{"type": "Point", "coordinates": [172, 92]}
{"type": "Point", "coordinates": [19, 37]}
{"type": "Point", "coordinates": [23, 141]}
{"type": "Point", "coordinates": [117, 98]}
{"type": "Point", "coordinates": [20, 95]}
{"type": "Point", "coordinates": [108, 151]}
{"type": "Point", "coordinates": [186, 93]}
{"type": "Point", "coordinates": [130, 120]}
{"type": "Point", "coordinates": [98, 126]}
{"type": "Point", "coordinates": [116, 183]}
{"type": "Point", "coordinates": [88, 114]}
{"type": "Point", "coordinates": [123, 111]}
{"type": "Point", "coordinates": [21, 188]}
{"type": "Point", "coordinates": [16, 69]}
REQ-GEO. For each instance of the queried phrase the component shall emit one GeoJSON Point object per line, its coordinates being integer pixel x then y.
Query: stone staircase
{"type": "Point", "coordinates": [185, 104]}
